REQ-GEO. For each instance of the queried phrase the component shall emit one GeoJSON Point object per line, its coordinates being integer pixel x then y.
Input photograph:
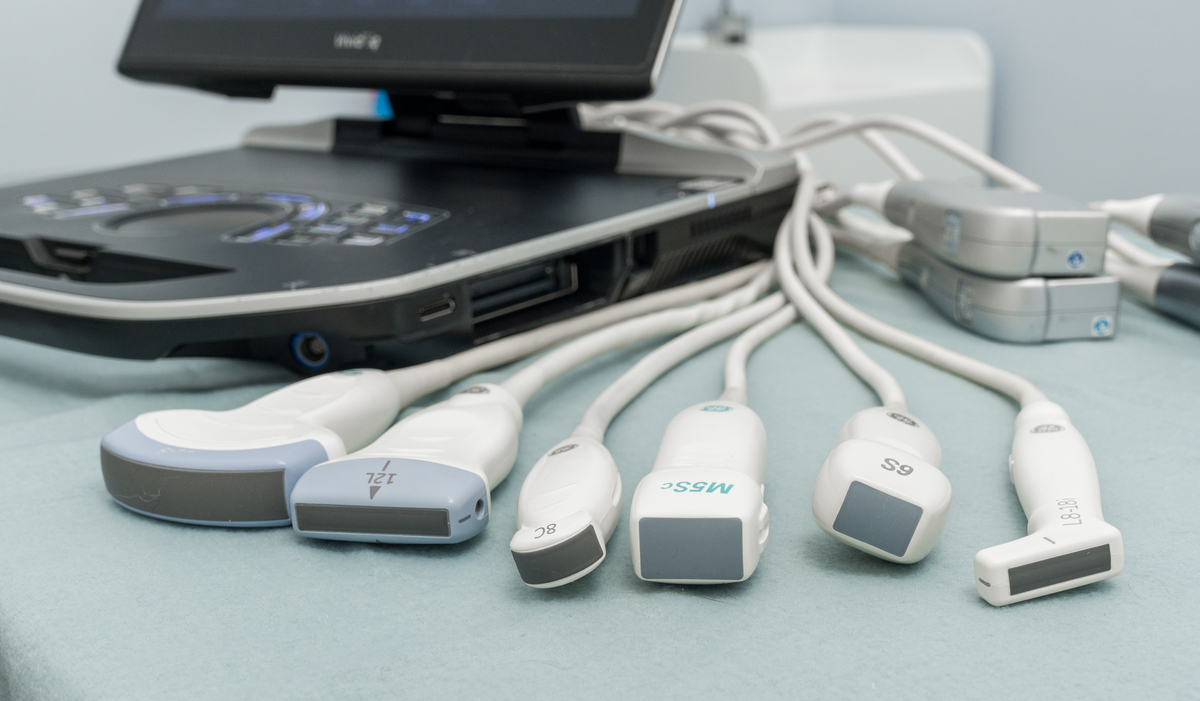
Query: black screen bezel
{"type": "Point", "coordinates": [538, 60]}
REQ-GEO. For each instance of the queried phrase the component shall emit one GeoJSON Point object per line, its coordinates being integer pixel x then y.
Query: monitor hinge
{"type": "Point", "coordinates": [481, 129]}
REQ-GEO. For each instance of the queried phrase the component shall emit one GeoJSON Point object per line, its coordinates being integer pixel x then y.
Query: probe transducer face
{"type": "Point", "coordinates": [567, 510]}
{"type": "Point", "coordinates": [699, 516]}
{"type": "Point", "coordinates": [697, 525]}
{"type": "Point", "coordinates": [237, 467]}
{"type": "Point", "coordinates": [381, 500]}
{"type": "Point", "coordinates": [881, 500]}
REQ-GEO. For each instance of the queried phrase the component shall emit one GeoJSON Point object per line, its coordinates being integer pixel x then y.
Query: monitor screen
{"type": "Point", "coordinates": [538, 50]}
{"type": "Point", "coordinates": [378, 9]}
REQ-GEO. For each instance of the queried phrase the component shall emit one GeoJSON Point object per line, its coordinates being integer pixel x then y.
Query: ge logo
{"type": "Point", "coordinates": [477, 389]}
{"type": "Point", "coordinates": [1076, 260]}
{"type": "Point", "coordinates": [565, 448]}
{"type": "Point", "coordinates": [1101, 326]}
{"type": "Point", "coordinates": [1047, 428]}
{"type": "Point", "coordinates": [715, 407]}
{"type": "Point", "coordinates": [903, 419]}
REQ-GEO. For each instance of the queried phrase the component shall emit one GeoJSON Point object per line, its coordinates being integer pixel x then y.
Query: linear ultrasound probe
{"type": "Point", "coordinates": [1069, 544]}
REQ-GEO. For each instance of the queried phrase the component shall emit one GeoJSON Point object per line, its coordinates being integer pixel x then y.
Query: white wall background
{"type": "Point", "coordinates": [1093, 99]}
{"type": "Point", "coordinates": [64, 109]}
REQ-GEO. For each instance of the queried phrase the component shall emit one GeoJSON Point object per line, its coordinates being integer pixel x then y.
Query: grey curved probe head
{"type": "Point", "coordinates": [1178, 293]}
{"type": "Point", "coordinates": [1001, 233]}
{"type": "Point", "coordinates": [1031, 310]}
{"type": "Point", "coordinates": [1175, 224]}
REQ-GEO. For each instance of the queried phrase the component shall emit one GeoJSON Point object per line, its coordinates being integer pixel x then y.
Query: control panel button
{"type": "Point", "coordinates": [390, 229]}
{"type": "Point", "coordinates": [371, 209]}
{"type": "Point", "coordinates": [287, 197]}
{"type": "Point", "coordinates": [352, 219]}
{"type": "Point", "coordinates": [311, 211]}
{"type": "Point", "coordinates": [415, 216]}
{"type": "Point", "coordinates": [329, 229]}
{"type": "Point", "coordinates": [261, 234]}
{"type": "Point", "coordinates": [364, 240]}
{"type": "Point", "coordinates": [200, 198]}
{"type": "Point", "coordinates": [93, 211]}
{"type": "Point", "coordinates": [145, 190]}
{"type": "Point", "coordinates": [300, 240]}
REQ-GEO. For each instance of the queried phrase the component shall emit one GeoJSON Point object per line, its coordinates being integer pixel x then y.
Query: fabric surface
{"type": "Point", "coordinates": [100, 603]}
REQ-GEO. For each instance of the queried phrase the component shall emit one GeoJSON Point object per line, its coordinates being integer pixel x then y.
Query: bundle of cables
{"type": "Point", "coordinates": [699, 516]}
{"type": "Point", "coordinates": [897, 512]}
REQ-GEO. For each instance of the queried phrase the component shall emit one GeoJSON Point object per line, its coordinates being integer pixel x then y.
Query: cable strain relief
{"type": "Point", "coordinates": [1134, 213]}
{"type": "Point", "coordinates": [737, 395]}
{"type": "Point", "coordinates": [872, 195]}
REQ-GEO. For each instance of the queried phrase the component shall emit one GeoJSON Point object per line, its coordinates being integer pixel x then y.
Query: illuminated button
{"type": "Point", "coordinates": [308, 212]}
{"type": "Point", "coordinates": [196, 189]}
{"type": "Point", "coordinates": [389, 229]}
{"type": "Point", "coordinates": [46, 208]}
{"type": "Point", "coordinates": [286, 197]}
{"type": "Point", "coordinates": [92, 201]}
{"type": "Point", "coordinates": [327, 229]}
{"type": "Point", "coordinates": [300, 240]}
{"type": "Point", "coordinates": [91, 211]}
{"type": "Point", "coordinates": [262, 234]}
{"type": "Point", "coordinates": [418, 217]}
{"type": "Point", "coordinates": [147, 189]}
{"type": "Point", "coordinates": [352, 219]}
{"type": "Point", "coordinates": [364, 240]}
{"type": "Point", "coordinates": [370, 209]}
{"type": "Point", "coordinates": [85, 194]}
{"type": "Point", "coordinates": [34, 200]}
{"type": "Point", "coordinates": [200, 199]}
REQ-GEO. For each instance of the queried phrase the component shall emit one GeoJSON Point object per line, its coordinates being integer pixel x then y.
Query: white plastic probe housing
{"type": "Point", "coordinates": [1135, 214]}
{"type": "Point", "coordinates": [445, 458]}
{"type": "Point", "coordinates": [1069, 544]}
{"type": "Point", "coordinates": [341, 410]}
{"type": "Point", "coordinates": [1171, 221]}
{"type": "Point", "coordinates": [880, 489]}
{"type": "Point", "coordinates": [236, 467]}
{"type": "Point", "coordinates": [871, 195]}
{"type": "Point", "coordinates": [699, 516]}
{"type": "Point", "coordinates": [567, 510]}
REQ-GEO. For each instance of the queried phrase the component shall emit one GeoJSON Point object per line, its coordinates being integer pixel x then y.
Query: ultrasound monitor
{"type": "Point", "coordinates": [541, 51]}
{"type": "Point", "coordinates": [481, 209]}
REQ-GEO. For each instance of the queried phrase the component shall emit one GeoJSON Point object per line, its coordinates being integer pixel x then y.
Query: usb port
{"type": "Point", "coordinates": [436, 310]}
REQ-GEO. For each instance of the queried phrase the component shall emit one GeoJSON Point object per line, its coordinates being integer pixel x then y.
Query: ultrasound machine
{"type": "Point", "coordinates": [482, 208]}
